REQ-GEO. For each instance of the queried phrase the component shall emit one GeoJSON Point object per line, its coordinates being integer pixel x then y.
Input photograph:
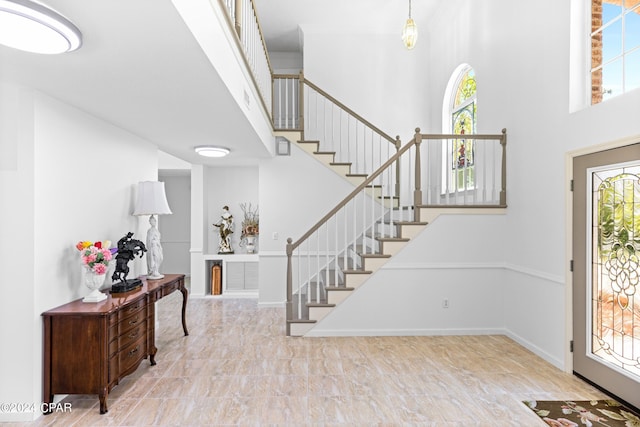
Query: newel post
{"type": "Point", "coordinates": [398, 144]}
{"type": "Point", "coordinates": [289, 308]}
{"type": "Point", "coordinates": [417, 193]}
{"type": "Point", "coordinates": [238, 18]}
{"type": "Point", "coordinates": [503, 190]}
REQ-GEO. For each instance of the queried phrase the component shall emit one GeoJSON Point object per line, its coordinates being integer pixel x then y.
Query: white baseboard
{"type": "Point", "coordinates": [402, 332]}
{"type": "Point", "coordinates": [273, 304]}
{"type": "Point", "coordinates": [536, 350]}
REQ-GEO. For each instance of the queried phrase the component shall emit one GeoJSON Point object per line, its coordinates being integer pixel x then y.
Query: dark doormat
{"type": "Point", "coordinates": [578, 413]}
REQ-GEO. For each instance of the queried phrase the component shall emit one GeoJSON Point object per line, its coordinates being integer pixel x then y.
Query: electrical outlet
{"type": "Point", "coordinates": [445, 303]}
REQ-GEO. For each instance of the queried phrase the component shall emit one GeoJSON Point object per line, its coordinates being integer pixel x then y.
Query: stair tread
{"type": "Point", "coordinates": [392, 239]}
{"type": "Point", "coordinates": [333, 153]}
{"type": "Point", "coordinates": [308, 141]}
{"type": "Point", "coordinates": [411, 223]}
{"type": "Point", "coordinates": [339, 288]}
{"type": "Point", "coordinates": [375, 255]}
{"type": "Point", "coordinates": [319, 304]}
{"type": "Point", "coordinates": [358, 174]}
{"type": "Point", "coordinates": [301, 321]}
{"type": "Point", "coordinates": [340, 164]}
{"type": "Point", "coordinates": [356, 271]}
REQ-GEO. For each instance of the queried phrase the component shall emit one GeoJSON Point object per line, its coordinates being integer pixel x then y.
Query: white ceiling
{"type": "Point", "coordinates": [141, 69]}
{"type": "Point", "coordinates": [280, 19]}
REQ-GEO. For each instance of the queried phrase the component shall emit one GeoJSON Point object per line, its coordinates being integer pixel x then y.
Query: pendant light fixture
{"type": "Point", "coordinates": [33, 27]}
{"type": "Point", "coordinates": [410, 31]}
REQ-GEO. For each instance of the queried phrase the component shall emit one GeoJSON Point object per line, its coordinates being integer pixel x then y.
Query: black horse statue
{"type": "Point", "coordinates": [128, 248]}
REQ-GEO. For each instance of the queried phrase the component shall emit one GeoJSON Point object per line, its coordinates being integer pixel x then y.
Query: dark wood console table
{"type": "Point", "coordinates": [90, 347]}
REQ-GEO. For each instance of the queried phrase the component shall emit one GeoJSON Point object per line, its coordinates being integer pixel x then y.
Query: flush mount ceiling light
{"type": "Point", "coordinates": [410, 32]}
{"type": "Point", "coordinates": [33, 27]}
{"type": "Point", "coordinates": [212, 151]}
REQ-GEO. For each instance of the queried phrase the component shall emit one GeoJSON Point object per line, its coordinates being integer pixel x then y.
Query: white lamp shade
{"type": "Point", "coordinates": [33, 27]}
{"type": "Point", "coordinates": [152, 199]}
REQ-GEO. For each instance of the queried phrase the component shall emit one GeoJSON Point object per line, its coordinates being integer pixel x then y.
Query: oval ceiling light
{"type": "Point", "coordinates": [33, 27]}
{"type": "Point", "coordinates": [212, 151]}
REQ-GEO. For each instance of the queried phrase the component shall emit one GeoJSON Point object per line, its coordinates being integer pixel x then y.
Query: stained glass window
{"type": "Point", "coordinates": [615, 48]}
{"type": "Point", "coordinates": [463, 122]}
{"type": "Point", "coordinates": [615, 311]}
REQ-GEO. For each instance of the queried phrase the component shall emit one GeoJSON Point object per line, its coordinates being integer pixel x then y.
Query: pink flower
{"type": "Point", "coordinates": [106, 253]}
{"type": "Point", "coordinates": [96, 256]}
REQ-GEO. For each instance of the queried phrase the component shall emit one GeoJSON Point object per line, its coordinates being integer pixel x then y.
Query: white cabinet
{"type": "Point", "coordinates": [242, 276]}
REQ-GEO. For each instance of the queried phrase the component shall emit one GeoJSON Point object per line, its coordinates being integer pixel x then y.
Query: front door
{"type": "Point", "coordinates": [606, 255]}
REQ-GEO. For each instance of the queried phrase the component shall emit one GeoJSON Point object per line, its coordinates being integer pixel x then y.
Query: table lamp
{"type": "Point", "coordinates": [152, 200]}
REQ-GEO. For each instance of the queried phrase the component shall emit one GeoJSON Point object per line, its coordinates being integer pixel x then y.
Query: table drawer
{"type": "Point", "coordinates": [133, 334]}
{"type": "Point", "coordinates": [166, 290]}
{"type": "Point", "coordinates": [132, 308]}
{"type": "Point", "coordinates": [132, 320]}
{"type": "Point", "coordinates": [130, 356]}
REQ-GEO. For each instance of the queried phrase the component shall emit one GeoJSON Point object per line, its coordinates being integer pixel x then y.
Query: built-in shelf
{"type": "Point", "coordinates": [239, 273]}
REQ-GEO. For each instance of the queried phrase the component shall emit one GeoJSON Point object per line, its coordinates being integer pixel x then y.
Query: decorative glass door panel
{"type": "Point", "coordinates": [615, 241]}
{"type": "Point", "coordinates": [606, 250]}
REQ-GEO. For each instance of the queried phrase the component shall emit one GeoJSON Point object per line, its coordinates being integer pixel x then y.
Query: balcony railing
{"type": "Point", "coordinates": [243, 18]}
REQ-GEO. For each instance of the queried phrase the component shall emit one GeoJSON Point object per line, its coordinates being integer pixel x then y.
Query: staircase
{"type": "Point", "coordinates": [374, 222]}
{"type": "Point", "coordinates": [383, 213]}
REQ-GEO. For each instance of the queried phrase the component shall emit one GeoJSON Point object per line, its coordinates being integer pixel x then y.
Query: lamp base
{"type": "Point", "coordinates": [155, 276]}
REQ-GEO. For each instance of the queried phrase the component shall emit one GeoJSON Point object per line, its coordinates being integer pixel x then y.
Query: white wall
{"type": "Point", "coordinates": [75, 180]}
{"type": "Point", "coordinates": [18, 367]}
{"type": "Point", "coordinates": [175, 229]}
{"type": "Point", "coordinates": [378, 83]}
{"type": "Point", "coordinates": [286, 62]}
{"type": "Point", "coordinates": [523, 85]}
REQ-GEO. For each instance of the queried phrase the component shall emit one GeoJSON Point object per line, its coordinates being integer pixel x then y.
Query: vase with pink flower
{"type": "Point", "coordinates": [95, 258]}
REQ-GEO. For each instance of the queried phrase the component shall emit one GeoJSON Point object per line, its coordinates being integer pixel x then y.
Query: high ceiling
{"type": "Point", "coordinates": [141, 69]}
{"type": "Point", "coordinates": [280, 19]}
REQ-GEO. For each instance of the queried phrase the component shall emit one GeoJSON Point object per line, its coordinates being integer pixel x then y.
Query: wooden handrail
{"type": "Point", "coordinates": [264, 44]}
{"type": "Point", "coordinates": [284, 76]}
{"type": "Point", "coordinates": [350, 111]}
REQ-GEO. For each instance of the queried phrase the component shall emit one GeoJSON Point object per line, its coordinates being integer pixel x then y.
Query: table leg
{"type": "Point", "coordinates": [185, 294]}
{"type": "Point", "coordinates": [103, 403]}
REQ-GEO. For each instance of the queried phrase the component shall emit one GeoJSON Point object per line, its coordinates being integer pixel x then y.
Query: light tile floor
{"type": "Point", "coordinates": [238, 368]}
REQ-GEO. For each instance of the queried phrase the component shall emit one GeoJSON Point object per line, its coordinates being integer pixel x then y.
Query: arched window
{"type": "Point", "coordinates": [615, 48]}
{"type": "Point", "coordinates": [461, 118]}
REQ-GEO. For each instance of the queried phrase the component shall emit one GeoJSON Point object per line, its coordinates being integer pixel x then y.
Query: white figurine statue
{"type": "Point", "coordinates": [225, 227]}
{"type": "Point", "coordinates": [154, 250]}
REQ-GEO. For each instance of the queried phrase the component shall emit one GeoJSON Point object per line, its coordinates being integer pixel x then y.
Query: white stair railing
{"type": "Point", "coordinates": [300, 105]}
{"type": "Point", "coordinates": [243, 17]}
